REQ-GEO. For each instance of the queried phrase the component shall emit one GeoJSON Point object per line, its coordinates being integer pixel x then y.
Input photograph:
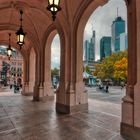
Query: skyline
{"type": "Point", "coordinates": [101, 21]}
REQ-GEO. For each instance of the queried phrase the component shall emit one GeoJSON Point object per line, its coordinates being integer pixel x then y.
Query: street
{"type": "Point", "coordinates": [114, 96]}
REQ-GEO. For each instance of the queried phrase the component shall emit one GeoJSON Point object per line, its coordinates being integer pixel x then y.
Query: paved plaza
{"type": "Point", "coordinates": [23, 119]}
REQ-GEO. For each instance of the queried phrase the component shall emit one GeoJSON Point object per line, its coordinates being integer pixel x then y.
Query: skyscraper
{"type": "Point", "coordinates": [123, 42]}
{"type": "Point", "coordinates": [105, 47]}
{"type": "Point", "coordinates": [92, 48]}
{"type": "Point", "coordinates": [118, 27]}
{"type": "Point", "coordinates": [86, 51]}
{"type": "Point", "coordinates": [89, 49]}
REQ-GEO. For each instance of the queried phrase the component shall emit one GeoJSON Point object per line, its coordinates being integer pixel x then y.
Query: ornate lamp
{"type": "Point", "coordinates": [53, 7]}
{"type": "Point", "coordinates": [20, 33]}
{"type": "Point", "coordinates": [9, 50]}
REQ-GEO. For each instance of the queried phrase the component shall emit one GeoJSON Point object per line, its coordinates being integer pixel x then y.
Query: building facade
{"type": "Point", "coordinates": [15, 70]}
{"type": "Point", "coordinates": [105, 47]}
{"type": "Point", "coordinates": [123, 42]}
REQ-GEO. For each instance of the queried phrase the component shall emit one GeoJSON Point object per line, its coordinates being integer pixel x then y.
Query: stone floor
{"type": "Point", "coordinates": [22, 119]}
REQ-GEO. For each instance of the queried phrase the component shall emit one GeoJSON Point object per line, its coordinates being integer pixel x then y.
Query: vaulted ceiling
{"type": "Point", "coordinates": [36, 19]}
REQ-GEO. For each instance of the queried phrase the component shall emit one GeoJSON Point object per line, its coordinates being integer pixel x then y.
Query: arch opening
{"type": "Point", "coordinates": [52, 64]}
{"type": "Point", "coordinates": [105, 28]}
{"type": "Point", "coordinates": [12, 70]}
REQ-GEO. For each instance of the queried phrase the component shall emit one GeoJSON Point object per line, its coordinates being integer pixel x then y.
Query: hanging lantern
{"type": "Point", "coordinates": [53, 7]}
{"type": "Point", "coordinates": [20, 33]}
{"type": "Point", "coordinates": [9, 50]}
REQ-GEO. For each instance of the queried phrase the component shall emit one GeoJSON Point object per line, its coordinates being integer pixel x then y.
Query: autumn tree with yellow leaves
{"type": "Point", "coordinates": [120, 69]}
{"type": "Point", "coordinates": [113, 67]}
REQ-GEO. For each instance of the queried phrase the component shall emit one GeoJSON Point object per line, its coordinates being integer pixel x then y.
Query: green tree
{"type": "Point", "coordinates": [5, 68]}
{"type": "Point", "coordinates": [87, 69]}
{"type": "Point", "coordinates": [54, 71]}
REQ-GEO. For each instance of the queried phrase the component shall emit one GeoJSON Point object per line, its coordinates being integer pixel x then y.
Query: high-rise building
{"type": "Point", "coordinates": [105, 47]}
{"type": "Point", "coordinates": [86, 51]}
{"type": "Point", "coordinates": [92, 48]}
{"type": "Point", "coordinates": [89, 49]}
{"type": "Point", "coordinates": [118, 27]}
{"type": "Point", "coordinates": [123, 42]}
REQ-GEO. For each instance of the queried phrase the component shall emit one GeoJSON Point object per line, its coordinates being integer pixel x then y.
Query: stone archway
{"type": "Point", "coordinates": [128, 106]}
{"type": "Point", "coordinates": [48, 90]}
{"type": "Point", "coordinates": [17, 61]}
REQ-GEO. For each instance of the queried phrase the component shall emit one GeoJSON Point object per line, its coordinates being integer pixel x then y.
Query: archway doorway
{"type": "Point", "coordinates": [55, 62]}
{"type": "Point", "coordinates": [11, 70]}
{"type": "Point", "coordinates": [82, 23]}
{"type": "Point", "coordinates": [52, 64]}
{"type": "Point", "coordinates": [105, 48]}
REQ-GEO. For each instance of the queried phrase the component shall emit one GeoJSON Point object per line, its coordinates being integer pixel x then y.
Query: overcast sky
{"type": "Point", "coordinates": [101, 21]}
{"type": "Point", "coordinates": [55, 52]}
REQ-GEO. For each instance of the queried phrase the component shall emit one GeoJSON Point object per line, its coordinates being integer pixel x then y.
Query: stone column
{"type": "Point", "coordinates": [25, 90]}
{"type": "Point", "coordinates": [127, 116]}
{"type": "Point", "coordinates": [48, 89]}
{"type": "Point", "coordinates": [137, 71]}
{"type": "Point", "coordinates": [71, 95]}
{"type": "Point", "coordinates": [32, 70]}
{"type": "Point", "coordinates": [42, 88]}
{"type": "Point", "coordinates": [37, 85]}
{"type": "Point", "coordinates": [130, 125]}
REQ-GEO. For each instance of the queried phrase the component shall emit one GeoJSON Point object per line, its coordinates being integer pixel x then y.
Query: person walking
{"type": "Point", "coordinates": [107, 87]}
{"type": "Point", "coordinates": [122, 85]}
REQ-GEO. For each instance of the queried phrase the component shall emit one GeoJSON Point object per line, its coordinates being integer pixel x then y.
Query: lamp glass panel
{"type": "Point", "coordinates": [18, 39]}
{"type": "Point", "coordinates": [21, 38]}
{"type": "Point", "coordinates": [51, 2]}
{"type": "Point", "coordinates": [56, 2]}
{"type": "Point", "coordinates": [54, 9]}
{"type": "Point", "coordinates": [9, 52]}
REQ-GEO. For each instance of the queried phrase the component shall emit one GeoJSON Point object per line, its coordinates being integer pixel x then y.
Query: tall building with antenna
{"type": "Point", "coordinates": [89, 49]}
{"type": "Point", "coordinates": [118, 27]}
{"type": "Point", "coordinates": [92, 47]}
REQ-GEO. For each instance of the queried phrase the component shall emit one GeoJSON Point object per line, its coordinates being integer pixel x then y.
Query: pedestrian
{"type": "Point", "coordinates": [11, 86]}
{"type": "Point", "coordinates": [107, 87]}
{"type": "Point", "coordinates": [122, 85]}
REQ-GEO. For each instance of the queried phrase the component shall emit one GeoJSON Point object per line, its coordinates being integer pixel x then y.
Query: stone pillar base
{"type": "Point", "coordinates": [47, 98]}
{"type": "Point", "coordinates": [36, 98]}
{"type": "Point", "coordinates": [61, 108]}
{"type": "Point", "coordinates": [127, 110]}
{"type": "Point", "coordinates": [27, 94]}
{"type": "Point", "coordinates": [130, 132]}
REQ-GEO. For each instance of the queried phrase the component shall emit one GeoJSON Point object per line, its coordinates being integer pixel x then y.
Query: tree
{"type": "Point", "coordinates": [120, 69]}
{"type": "Point", "coordinates": [5, 68]}
{"type": "Point", "coordinates": [106, 69]}
{"type": "Point", "coordinates": [87, 69]}
{"type": "Point", "coordinates": [55, 71]}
